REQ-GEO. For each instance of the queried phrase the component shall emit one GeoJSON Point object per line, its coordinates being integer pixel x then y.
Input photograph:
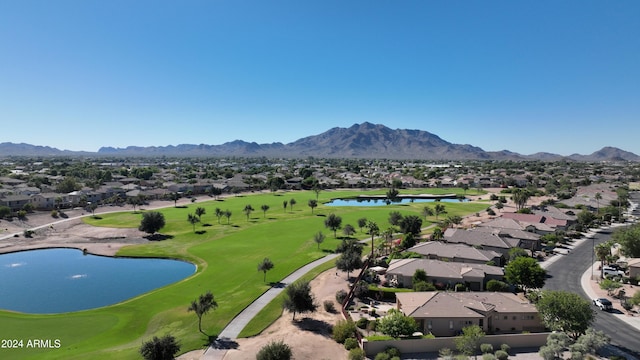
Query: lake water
{"type": "Point", "coordinates": [383, 202]}
{"type": "Point", "coordinates": [63, 280]}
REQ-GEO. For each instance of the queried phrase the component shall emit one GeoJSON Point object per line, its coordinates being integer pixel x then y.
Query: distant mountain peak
{"type": "Point", "coordinates": [365, 140]}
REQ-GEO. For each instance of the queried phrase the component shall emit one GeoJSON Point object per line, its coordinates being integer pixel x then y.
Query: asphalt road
{"type": "Point", "coordinates": [565, 275]}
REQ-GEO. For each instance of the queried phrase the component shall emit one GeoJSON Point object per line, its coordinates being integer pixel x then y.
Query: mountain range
{"type": "Point", "coordinates": [364, 140]}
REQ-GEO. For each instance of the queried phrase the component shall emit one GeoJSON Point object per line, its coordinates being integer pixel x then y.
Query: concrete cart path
{"type": "Point", "coordinates": [219, 348]}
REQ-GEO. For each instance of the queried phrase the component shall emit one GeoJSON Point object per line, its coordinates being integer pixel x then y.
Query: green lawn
{"type": "Point", "coordinates": [227, 256]}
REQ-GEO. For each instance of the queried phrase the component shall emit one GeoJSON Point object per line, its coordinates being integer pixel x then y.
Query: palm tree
{"type": "Point", "coordinates": [313, 204]}
{"type": "Point", "coordinates": [265, 266]}
{"type": "Point", "coordinates": [437, 234]}
{"type": "Point", "coordinates": [227, 214]}
{"type": "Point", "coordinates": [219, 214]}
{"type": "Point", "coordinates": [317, 189]}
{"type": "Point", "coordinates": [603, 251]}
{"type": "Point", "coordinates": [454, 220]}
{"type": "Point", "coordinates": [291, 203]}
{"type": "Point", "coordinates": [388, 237]}
{"type": "Point", "coordinates": [374, 231]}
{"type": "Point", "coordinates": [248, 209]}
{"type": "Point", "coordinates": [201, 306]}
{"type": "Point", "coordinates": [285, 204]}
{"type": "Point", "coordinates": [520, 198]}
{"type": "Point", "coordinates": [264, 210]}
{"type": "Point", "coordinates": [598, 197]}
{"type": "Point", "coordinates": [200, 211]}
{"type": "Point", "coordinates": [193, 219]}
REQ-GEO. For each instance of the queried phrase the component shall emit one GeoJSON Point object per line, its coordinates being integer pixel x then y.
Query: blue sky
{"type": "Point", "coordinates": [527, 76]}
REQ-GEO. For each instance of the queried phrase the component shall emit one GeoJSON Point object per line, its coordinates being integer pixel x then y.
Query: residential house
{"type": "Point", "coordinates": [457, 253]}
{"type": "Point", "coordinates": [443, 273]}
{"type": "Point", "coordinates": [46, 201]}
{"type": "Point", "coordinates": [447, 313]}
{"type": "Point", "coordinates": [556, 213]}
{"type": "Point", "coordinates": [481, 239]}
{"type": "Point", "coordinates": [634, 267]}
{"type": "Point", "coordinates": [15, 202]}
{"type": "Point", "coordinates": [528, 240]}
{"type": "Point", "coordinates": [549, 224]}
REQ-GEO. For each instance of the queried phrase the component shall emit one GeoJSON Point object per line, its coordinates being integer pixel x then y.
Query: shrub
{"type": "Point", "coordinates": [28, 233]}
{"type": "Point", "coordinates": [423, 286]}
{"type": "Point", "coordinates": [372, 325]}
{"type": "Point", "coordinates": [378, 338]}
{"type": "Point", "coordinates": [54, 213]}
{"type": "Point", "coordinates": [488, 356]}
{"type": "Point", "coordinates": [382, 356]}
{"type": "Point", "coordinates": [396, 324]}
{"type": "Point", "coordinates": [275, 350]}
{"type": "Point", "coordinates": [329, 306]}
{"type": "Point", "coordinates": [505, 348]}
{"type": "Point", "coordinates": [491, 212]}
{"type": "Point", "coordinates": [393, 352]}
{"type": "Point", "coordinates": [446, 353]}
{"type": "Point", "coordinates": [350, 343]}
{"type": "Point", "coordinates": [362, 323]}
{"type": "Point", "coordinates": [460, 287]}
{"type": "Point", "coordinates": [341, 296]}
{"type": "Point", "coordinates": [356, 354]}
{"type": "Point", "coordinates": [486, 348]}
{"type": "Point", "coordinates": [343, 330]}
{"type": "Point", "coordinates": [497, 285]}
{"type": "Point", "coordinates": [502, 355]}
{"type": "Point", "coordinates": [165, 347]}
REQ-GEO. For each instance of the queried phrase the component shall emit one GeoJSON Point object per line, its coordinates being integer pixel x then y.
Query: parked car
{"type": "Point", "coordinates": [611, 271]}
{"type": "Point", "coordinates": [603, 304]}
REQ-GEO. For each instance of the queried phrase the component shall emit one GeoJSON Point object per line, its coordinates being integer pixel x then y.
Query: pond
{"type": "Point", "coordinates": [383, 201]}
{"type": "Point", "coordinates": [63, 280]}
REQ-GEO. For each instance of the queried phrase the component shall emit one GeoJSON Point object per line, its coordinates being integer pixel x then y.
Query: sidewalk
{"type": "Point", "coordinates": [219, 348]}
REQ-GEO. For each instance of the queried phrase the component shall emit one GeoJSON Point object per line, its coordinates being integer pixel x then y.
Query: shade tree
{"type": "Point", "coordinates": [163, 348]}
{"type": "Point", "coordinates": [566, 312]}
{"type": "Point", "coordinates": [333, 222]}
{"type": "Point", "coordinates": [152, 222]}
{"type": "Point", "coordinates": [318, 238]}
{"type": "Point", "coordinates": [299, 299]}
{"type": "Point", "coordinates": [525, 272]}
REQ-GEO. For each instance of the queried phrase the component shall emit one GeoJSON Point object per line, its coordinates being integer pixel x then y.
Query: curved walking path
{"type": "Point", "coordinates": [218, 349]}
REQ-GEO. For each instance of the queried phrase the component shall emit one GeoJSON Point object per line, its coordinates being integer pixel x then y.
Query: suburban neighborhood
{"type": "Point", "coordinates": [458, 273]}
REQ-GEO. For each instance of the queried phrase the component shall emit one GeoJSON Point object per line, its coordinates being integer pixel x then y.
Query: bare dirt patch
{"type": "Point", "coordinates": [310, 334]}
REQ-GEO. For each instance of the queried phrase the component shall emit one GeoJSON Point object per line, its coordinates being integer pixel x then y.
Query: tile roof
{"type": "Point", "coordinates": [438, 304]}
{"type": "Point", "coordinates": [454, 251]}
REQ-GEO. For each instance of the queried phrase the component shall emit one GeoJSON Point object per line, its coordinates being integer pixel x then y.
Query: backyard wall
{"type": "Point", "coordinates": [515, 341]}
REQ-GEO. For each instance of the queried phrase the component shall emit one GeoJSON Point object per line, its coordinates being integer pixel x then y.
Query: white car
{"type": "Point", "coordinates": [611, 271]}
{"type": "Point", "coordinates": [603, 304]}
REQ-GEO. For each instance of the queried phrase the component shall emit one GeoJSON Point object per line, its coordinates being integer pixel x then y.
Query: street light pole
{"type": "Point", "coordinates": [593, 251]}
